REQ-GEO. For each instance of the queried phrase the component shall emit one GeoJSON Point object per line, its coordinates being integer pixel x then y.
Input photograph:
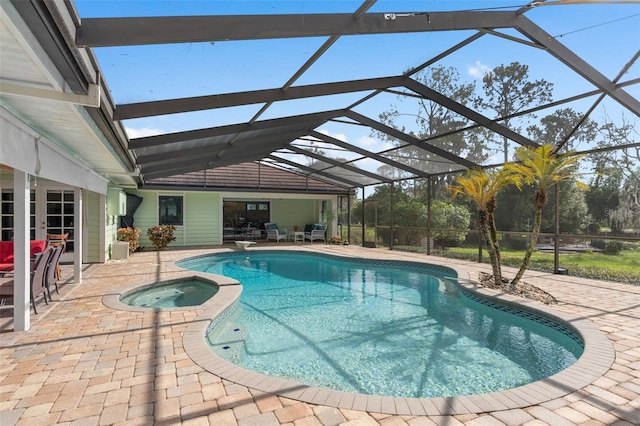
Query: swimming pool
{"type": "Point", "coordinates": [380, 328]}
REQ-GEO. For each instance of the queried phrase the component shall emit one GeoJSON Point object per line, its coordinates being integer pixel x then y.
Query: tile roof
{"type": "Point", "coordinates": [247, 176]}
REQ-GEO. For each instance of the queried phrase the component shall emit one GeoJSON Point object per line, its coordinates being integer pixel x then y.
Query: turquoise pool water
{"type": "Point", "coordinates": [374, 327]}
{"type": "Point", "coordinates": [188, 292]}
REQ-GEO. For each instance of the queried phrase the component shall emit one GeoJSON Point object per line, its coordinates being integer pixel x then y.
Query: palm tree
{"type": "Point", "coordinates": [543, 168]}
{"type": "Point", "coordinates": [482, 186]}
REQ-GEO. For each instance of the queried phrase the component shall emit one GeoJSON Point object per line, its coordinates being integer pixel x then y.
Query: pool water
{"type": "Point", "coordinates": [188, 292]}
{"type": "Point", "coordinates": [382, 328]}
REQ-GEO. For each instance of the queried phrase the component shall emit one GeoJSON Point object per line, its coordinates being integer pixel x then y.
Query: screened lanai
{"type": "Point", "coordinates": [362, 93]}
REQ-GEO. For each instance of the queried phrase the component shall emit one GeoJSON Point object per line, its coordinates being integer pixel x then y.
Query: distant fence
{"type": "Point", "coordinates": [422, 237]}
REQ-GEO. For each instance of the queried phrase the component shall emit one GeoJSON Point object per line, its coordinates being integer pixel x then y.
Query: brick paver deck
{"type": "Point", "coordinates": [85, 363]}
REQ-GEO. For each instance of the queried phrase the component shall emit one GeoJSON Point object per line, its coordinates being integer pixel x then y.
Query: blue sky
{"type": "Point", "coordinates": [605, 35]}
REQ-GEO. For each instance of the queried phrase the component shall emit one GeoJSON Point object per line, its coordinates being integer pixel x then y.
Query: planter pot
{"type": "Point", "coordinates": [119, 250]}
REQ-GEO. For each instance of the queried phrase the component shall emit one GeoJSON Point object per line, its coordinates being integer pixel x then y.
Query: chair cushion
{"type": "Point", "coordinates": [6, 249]}
{"type": "Point", "coordinates": [37, 246]}
{"type": "Point", "coordinates": [308, 228]}
{"type": "Point", "coordinates": [272, 226]}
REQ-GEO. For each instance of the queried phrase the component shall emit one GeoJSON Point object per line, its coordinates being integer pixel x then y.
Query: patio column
{"type": "Point", "coordinates": [349, 217]}
{"type": "Point", "coordinates": [21, 251]}
{"type": "Point", "coordinates": [556, 230]}
{"type": "Point", "coordinates": [102, 234]}
{"type": "Point", "coordinates": [429, 215]}
{"type": "Point", "coordinates": [393, 188]}
{"type": "Point", "coordinates": [364, 222]}
{"type": "Point", "coordinates": [77, 235]}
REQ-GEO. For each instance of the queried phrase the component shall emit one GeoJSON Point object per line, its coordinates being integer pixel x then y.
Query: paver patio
{"type": "Point", "coordinates": [85, 363]}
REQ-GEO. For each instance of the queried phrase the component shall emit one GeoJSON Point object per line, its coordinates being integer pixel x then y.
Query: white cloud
{"type": "Point", "coordinates": [340, 136]}
{"type": "Point", "coordinates": [145, 131]}
{"type": "Point", "coordinates": [478, 70]}
{"type": "Point", "coordinates": [373, 144]}
{"type": "Point", "coordinates": [369, 164]}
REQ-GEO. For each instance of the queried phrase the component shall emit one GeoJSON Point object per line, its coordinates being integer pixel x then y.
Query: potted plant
{"type": "Point", "coordinates": [130, 235]}
{"type": "Point", "coordinates": [161, 235]}
{"type": "Point", "coordinates": [337, 239]}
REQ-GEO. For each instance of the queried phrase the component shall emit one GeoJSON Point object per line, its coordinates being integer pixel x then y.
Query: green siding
{"type": "Point", "coordinates": [92, 253]}
{"type": "Point", "coordinates": [110, 233]}
{"type": "Point", "coordinates": [287, 213]}
{"type": "Point", "coordinates": [93, 207]}
{"type": "Point", "coordinates": [202, 219]}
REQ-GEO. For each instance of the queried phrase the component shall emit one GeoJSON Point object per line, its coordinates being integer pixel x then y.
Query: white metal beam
{"type": "Point", "coordinates": [91, 99]}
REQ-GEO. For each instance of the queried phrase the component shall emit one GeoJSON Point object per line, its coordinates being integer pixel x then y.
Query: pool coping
{"type": "Point", "coordinates": [597, 358]}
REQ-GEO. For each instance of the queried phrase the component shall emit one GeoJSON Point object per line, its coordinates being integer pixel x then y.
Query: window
{"type": "Point", "coordinates": [170, 210]}
{"type": "Point", "coordinates": [240, 213]}
{"type": "Point", "coordinates": [60, 214]}
{"type": "Point", "coordinates": [6, 215]}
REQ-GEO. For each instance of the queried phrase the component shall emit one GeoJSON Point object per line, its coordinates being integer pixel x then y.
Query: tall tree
{"type": "Point", "coordinates": [543, 168]}
{"type": "Point", "coordinates": [626, 160]}
{"type": "Point", "coordinates": [482, 187]}
{"type": "Point", "coordinates": [573, 212]}
{"type": "Point", "coordinates": [509, 90]}
{"type": "Point", "coordinates": [428, 119]}
{"type": "Point", "coordinates": [602, 197]}
{"type": "Point", "coordinates": [560, 125]}
{"type": "Point", "coordinates": [450, 222]}
{"type": "Point", "coordinates": [558, 128]}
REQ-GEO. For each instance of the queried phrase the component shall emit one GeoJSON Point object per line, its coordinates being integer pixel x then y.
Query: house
{"type": "Point", "coordinates": [211, 206]}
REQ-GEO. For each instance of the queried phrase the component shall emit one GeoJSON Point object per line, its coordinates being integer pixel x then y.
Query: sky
{"type": "Point", "coordinates": [604, 35]}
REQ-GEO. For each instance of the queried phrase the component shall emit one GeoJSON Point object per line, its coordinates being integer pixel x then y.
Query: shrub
{"type": "Point", "coordinates": [613, 247]}
{"type": "Point", "coordinates": [515, 242]}
{"type": "Point", "coordinates": [161, 235]}
{"type": "Point", "coordinates": [410, 249]}
{"type": "Point", "coordinates": [598, 243]}
{"type": "Point", "coordinates": [131, 235]}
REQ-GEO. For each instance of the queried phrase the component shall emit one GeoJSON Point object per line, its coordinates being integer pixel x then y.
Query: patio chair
{"type": "Point", "coordinates": [38, 271]}
{"type": "Point", "coordinates": [273, 233]}
{"type": "Point", "coordinates": [52, 275]}
{"type": "Point", "coordinates": [56, 240]}
{"type": "Point", "coordinates": [315, 232]}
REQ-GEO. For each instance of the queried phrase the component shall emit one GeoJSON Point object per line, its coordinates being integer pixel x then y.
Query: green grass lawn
{"type": "Point", "coordinates": [622, 267]}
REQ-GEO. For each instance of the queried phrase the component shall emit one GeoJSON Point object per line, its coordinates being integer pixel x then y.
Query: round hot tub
{"type": "Point", "coordinates": [182, 292]}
